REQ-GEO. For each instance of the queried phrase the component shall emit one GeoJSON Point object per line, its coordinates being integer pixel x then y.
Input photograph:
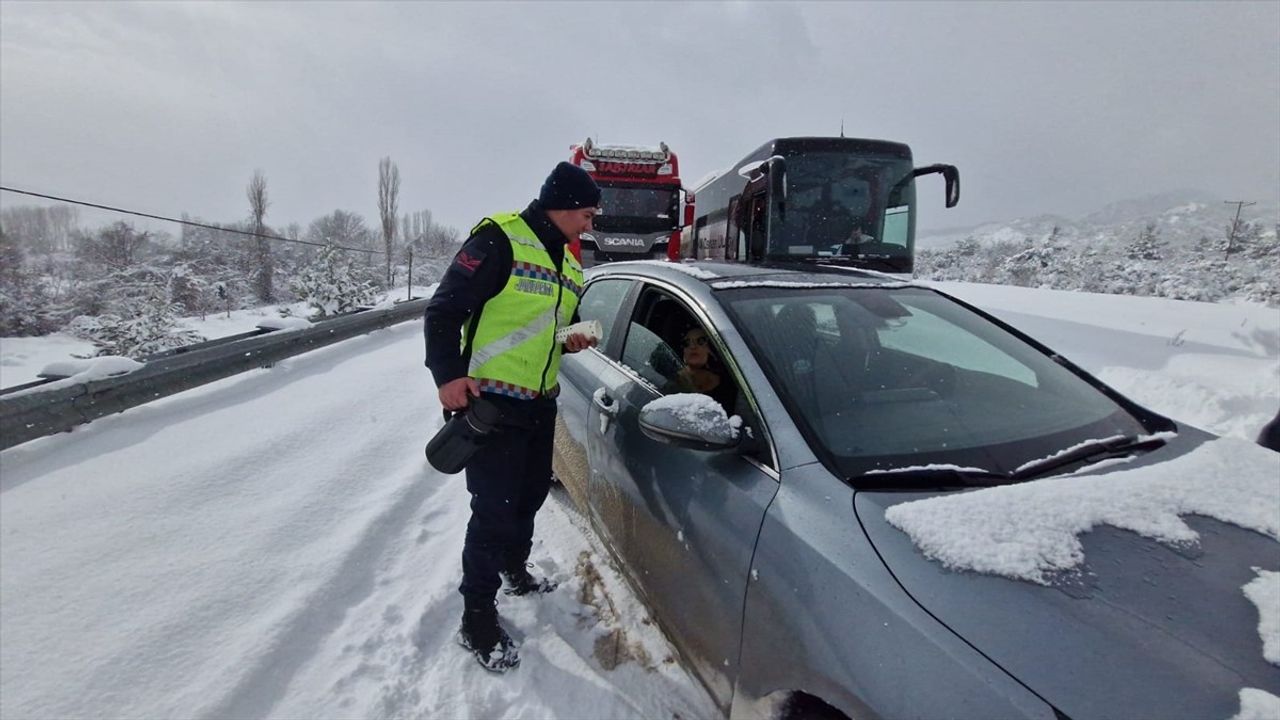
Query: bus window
{"type": "Point", "coordinates": [897, 223]}
{"type": "Point", "coordinates": [758, 233]}
{"type": "Point", "coordinates": [736, 239]}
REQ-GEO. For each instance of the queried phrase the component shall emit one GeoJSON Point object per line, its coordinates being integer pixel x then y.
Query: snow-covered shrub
{"type": "Point", "coordinates": [331, 285]}
{"type": "Point", "coordinates": [142, 327]}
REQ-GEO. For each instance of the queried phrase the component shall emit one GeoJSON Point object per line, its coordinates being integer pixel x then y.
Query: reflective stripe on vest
{"type": "Point", "coordinates": [514, 343]}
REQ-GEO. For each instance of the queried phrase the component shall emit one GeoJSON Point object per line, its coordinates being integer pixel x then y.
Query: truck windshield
{"type": "Point", "coordinates": [637, 209]}
{"type": "Point", "coordinates": [893, 378]}
{"type": "Point", "coordinates": [840, 204]}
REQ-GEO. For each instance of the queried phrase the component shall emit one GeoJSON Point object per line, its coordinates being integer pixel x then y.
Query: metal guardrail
{"type": "Point", "coordinates": [30, 415]}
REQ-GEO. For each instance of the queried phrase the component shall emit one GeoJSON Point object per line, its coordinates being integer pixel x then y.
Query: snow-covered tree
{"type": "Point", "coordinates": [331, 285]}
{"type": "Point", "coordinates": [25, 307]}
{"type": "Point", "coordinates": [1147, 246]}
{"type": "Point", "coordinates": [263, 270]}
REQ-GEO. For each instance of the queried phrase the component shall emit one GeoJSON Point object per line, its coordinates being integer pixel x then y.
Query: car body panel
{"type": "Point", "coordinates": [824, 615]}
{"type": "Point", "coordinates": [686, 523]}
{"type": "Point", "coordinates": [1149, 630]}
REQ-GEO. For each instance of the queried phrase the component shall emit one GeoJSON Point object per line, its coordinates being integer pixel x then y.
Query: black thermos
{"type": "Point", "coordinates": [462, 435]}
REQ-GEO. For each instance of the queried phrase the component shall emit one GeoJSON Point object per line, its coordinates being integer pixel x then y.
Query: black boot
{"type": "Point", "coordinates": [484, 637]}
{"type": "Point", "coordinates": [518, 581]}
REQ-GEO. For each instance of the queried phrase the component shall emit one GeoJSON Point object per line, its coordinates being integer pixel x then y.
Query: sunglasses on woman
{"type": "Point", "coordinates": [700, 341]}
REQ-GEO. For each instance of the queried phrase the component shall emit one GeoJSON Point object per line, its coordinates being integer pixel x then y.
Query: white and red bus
{"type": "Point", "coordinates": [834, 201]}
{"type": "Point", "coordinates": [642, 203]}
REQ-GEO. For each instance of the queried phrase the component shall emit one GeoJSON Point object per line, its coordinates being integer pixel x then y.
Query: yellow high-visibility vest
{"type": "Point", "coordinates": [513, 349]}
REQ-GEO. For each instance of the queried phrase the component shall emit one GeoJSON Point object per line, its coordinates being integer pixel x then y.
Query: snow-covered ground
{"type": "Point", "coordinates": [274, 544]}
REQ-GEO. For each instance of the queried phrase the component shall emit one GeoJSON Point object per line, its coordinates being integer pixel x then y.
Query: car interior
{"type": "Point", "coordinates": [847, 353]}
{"type": "Point", "coordinates": [654, 347]}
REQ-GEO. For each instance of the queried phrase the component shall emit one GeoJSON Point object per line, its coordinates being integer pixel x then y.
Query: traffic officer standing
{"type": "Point", "coordinates": [490, 329]}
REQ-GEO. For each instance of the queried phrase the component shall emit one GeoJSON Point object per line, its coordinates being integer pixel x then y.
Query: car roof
{"type": "Point", "coordinates": [712, 272]}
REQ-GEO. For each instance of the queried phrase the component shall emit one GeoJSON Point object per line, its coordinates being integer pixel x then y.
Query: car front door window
{"type": "Point", "coordinates": [601, 301]}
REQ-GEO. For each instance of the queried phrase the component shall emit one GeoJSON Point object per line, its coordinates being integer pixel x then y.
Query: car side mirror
{"type": "Point", "coordinates": [689, 420]}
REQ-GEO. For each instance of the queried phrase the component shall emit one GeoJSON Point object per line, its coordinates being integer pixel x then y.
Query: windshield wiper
{"type": "Point", "coordinates": [1087, 453]}
{"type": "Point", "coordinates": [931, 477]}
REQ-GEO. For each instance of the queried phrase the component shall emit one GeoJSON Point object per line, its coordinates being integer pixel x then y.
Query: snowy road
{"type": "Point", "coordinates": [267, 546]}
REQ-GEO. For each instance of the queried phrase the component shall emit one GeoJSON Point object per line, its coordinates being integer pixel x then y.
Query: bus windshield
{"type": "Point", "coordinates": [840, 204]}
{"type": "Point", "coordinates": [637, 208]}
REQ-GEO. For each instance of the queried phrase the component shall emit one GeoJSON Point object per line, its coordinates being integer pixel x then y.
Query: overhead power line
{"type": "Point", "coordinates": [192, 223]}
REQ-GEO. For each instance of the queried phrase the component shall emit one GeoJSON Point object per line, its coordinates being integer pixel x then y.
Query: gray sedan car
{"type": "Point", "coordinates": [758, 536]}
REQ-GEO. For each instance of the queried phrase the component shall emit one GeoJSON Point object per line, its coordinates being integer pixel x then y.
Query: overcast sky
{"type": "Point", "coordinates": [169, 107]}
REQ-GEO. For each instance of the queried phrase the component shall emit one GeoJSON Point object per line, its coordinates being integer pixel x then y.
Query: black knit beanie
{"type": "Point", "coordinates": [569, 187]}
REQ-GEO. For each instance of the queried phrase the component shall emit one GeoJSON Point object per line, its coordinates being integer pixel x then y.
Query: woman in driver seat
{"type": "Point", "coordinates": [702, 372]}
{"type": "Point", "coordinates": [695, 376]}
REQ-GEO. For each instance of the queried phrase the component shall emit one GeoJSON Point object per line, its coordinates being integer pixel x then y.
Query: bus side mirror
{"type": "Point", "coordinates": [949, 174]}
{"type": "Point", "coordinates": [688, 209]}
{"type": "Point", "coordinates": [952, 177]}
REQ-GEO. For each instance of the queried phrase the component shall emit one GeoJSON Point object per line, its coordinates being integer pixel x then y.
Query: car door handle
{"type": "Point", "coordinates": [604, 402]}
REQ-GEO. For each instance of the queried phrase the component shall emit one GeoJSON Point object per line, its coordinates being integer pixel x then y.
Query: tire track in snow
{"type": "Point", "coordinates": [353, 581]}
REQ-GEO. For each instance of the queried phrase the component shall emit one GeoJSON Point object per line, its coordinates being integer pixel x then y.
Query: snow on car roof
{"type": "Point", "coordinates": [723, 275]}
{"type": "Point", "coordinates": [774, 283]}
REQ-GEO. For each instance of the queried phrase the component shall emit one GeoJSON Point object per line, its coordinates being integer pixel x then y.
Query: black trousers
{"type": "Point", "coordinates": [508, 480]}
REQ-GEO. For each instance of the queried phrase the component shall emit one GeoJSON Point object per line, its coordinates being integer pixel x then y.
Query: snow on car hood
{"type": "Point", "coordinates": [1116, 594]}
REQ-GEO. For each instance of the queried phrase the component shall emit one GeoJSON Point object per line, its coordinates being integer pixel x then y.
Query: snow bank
{"type": "Point", "coordinates": [1029, 530]}
{"type": "Point", "coordinates": [22, 359]}
{"type": "Point", "coordinates": [1264, 592]}
{"type": "Point", "coordinates": [284, 323]}
{"type": "Point", "coordinates": [91, 369]}
{"type": "Point", "coordinates": [74, 372]}
{"type": "Point", "coordinates": [1258, 705]}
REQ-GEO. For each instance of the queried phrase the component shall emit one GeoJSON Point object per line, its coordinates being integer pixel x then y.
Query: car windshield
{"type": "Point", "coordinates": [884, 379]}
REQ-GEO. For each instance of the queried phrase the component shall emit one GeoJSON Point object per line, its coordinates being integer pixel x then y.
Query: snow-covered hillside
{"type": "Point", "coordinates": [1165, 246]}
{"type": "Point", "coordinates": [1181, 218]}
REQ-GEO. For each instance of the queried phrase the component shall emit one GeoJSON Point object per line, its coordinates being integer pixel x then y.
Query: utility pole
{"type": "Point", "coordinates": [1235, 224]}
